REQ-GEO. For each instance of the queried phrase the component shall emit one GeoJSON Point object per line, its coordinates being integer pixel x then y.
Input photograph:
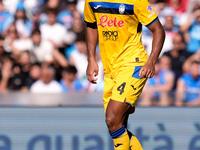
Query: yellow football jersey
{"type": "Point", "coordinates": [119, 26]}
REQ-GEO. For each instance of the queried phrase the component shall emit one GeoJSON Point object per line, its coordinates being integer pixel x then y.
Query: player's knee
{"type": "Point", "coordinates": [113, 124]}
{"type": "Point", "coordinates": [109, 121]}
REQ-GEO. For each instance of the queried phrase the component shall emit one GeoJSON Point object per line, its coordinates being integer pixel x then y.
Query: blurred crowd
{"type": "Point", "coordinates": [43, 50]}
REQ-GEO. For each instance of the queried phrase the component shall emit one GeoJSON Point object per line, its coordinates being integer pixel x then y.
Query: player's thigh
{"type": "Point", "coordinates": [108, 86]}
{"type": "Point", "coordinates": [128, 85]}
{"type": "Point", "coordinates": [115, 87]}
{"type": "Point", "coordinates": [117, 112]}
{"type": "Point", "coordinates": [125, 85]}
{"type": "Point", "coordinates": [122, 84]}
{"type": "Point", "coordinates": [135, 91]}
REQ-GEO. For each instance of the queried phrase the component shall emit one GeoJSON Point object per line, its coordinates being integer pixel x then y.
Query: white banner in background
{"type": "Point", "coordinates": [83, 128]}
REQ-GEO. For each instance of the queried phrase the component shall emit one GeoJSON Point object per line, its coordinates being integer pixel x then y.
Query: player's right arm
{"type": "Point", "coordinates": [91, 42]}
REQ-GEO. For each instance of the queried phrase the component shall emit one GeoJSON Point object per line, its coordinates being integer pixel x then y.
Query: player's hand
{"type": "Point", "coordinates": [92, 71]}
{"type": "Point", "coordinates": [147, 71]}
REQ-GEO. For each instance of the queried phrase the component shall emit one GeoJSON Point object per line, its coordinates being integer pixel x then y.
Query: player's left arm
{"type": "Point", "coordinates": [148, 70]}
{"type": "Point", "coordinates": [91, 42]}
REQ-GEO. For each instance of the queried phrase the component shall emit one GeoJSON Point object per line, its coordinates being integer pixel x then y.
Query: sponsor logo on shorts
{"type": "Point", "coordinates": [105, 22]}
{"type": "Point", "coordinates": [133, 87]}
{"type": "Point", "coordinates": [110, 35]}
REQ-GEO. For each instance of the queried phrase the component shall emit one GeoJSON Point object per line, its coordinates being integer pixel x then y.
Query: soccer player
{"type": "Point", "coordinates": [118, 27]}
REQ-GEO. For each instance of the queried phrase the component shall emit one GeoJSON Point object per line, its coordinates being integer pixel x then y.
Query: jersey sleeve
{"type": "Point", "coordinates": [88, 13]}
{"type": "Point", "coordinates": [145, 13]}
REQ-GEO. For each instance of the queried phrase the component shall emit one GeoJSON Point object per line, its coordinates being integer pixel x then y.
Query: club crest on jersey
{"type": "Point", "coordinates": [149, 8]}
{"type": "Point", "coordinates": [121, 8]}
